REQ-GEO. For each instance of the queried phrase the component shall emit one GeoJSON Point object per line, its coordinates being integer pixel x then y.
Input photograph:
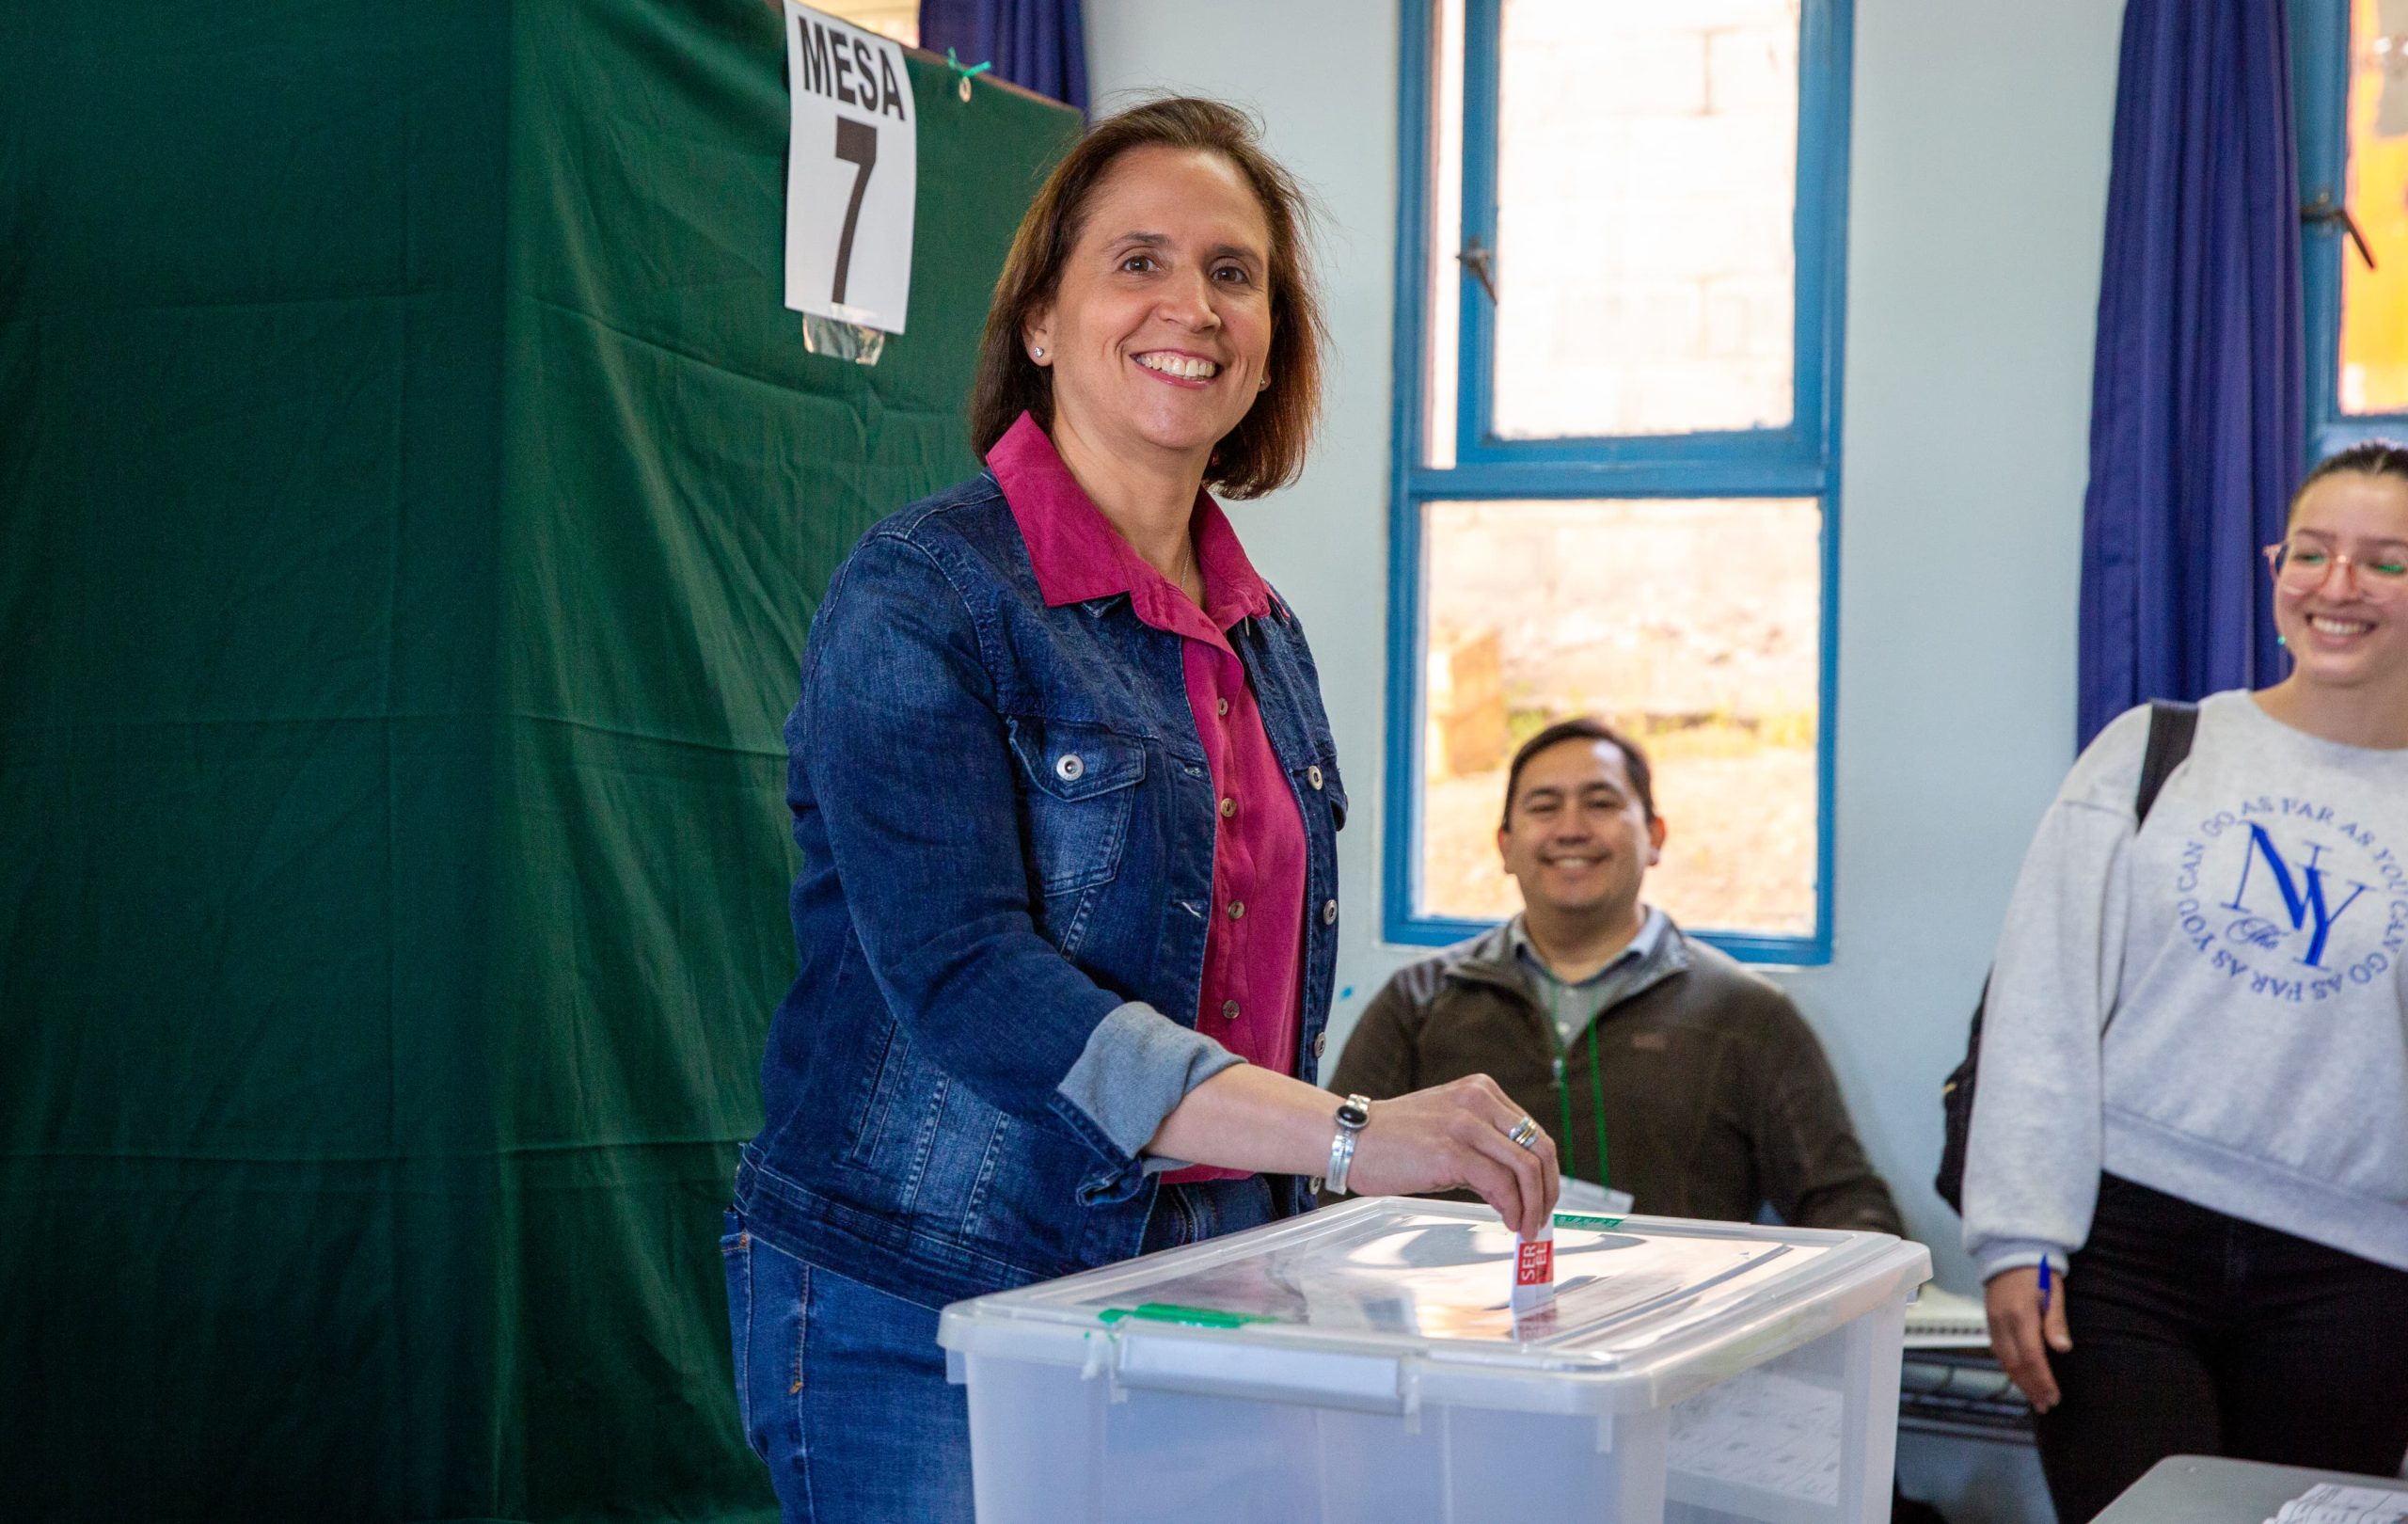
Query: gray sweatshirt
{"type": "Point", "coordinates": [2244, 954]}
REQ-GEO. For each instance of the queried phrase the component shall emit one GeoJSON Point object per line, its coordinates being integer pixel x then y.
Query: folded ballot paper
{"type": "Point", "coordinates": [2328, 1502]}
{"type": "Point", "coordinates": [1534, 1270]}
{"type": "Point", "coordinates": [1534, 1258]}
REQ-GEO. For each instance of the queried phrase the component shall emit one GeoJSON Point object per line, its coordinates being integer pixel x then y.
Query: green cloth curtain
{"type": "Point", "coordinates": [413, 495]}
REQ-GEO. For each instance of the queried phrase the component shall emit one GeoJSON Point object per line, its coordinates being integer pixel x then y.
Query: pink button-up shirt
{"type": "Point", "coordinates": [1251, 1000]}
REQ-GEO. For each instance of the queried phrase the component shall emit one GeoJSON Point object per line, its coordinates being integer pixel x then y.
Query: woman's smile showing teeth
{"type": "Point", "coordinates": [2326, 625]}
{"type": "Point", "coordinates": [1185, 367]}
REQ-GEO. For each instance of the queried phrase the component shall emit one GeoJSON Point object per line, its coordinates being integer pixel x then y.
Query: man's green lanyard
{"type": "Point", "coordinates": [1563, 1086]}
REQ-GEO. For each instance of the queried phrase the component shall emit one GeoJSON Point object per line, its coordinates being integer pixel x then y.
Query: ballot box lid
{"type": "Point", "coordinates": [1385, 1303]}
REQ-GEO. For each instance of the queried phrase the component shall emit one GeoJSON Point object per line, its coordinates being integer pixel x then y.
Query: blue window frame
{"type": "Point", "coordinates": [1446, 448]}
{"type": "Point", "coordinates": [2320, 78]}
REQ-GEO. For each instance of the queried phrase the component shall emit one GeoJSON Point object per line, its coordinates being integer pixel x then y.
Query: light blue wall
{"type": "Point", "coordinates": [1978, 185]}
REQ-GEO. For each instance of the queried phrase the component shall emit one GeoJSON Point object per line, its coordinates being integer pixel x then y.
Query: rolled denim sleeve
{"type": "Point", "coordinates": [899, 746]}
{"type": "Point", "coordinates": [1138, 1065]}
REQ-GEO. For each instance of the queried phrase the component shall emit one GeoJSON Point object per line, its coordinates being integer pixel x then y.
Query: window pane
{"type": "Point", "coordinates": [1646, 190]}
{"type": "Point", "coordinates": [1693, 625]}
{"type": "Point", "coordinates": [2375, 303]}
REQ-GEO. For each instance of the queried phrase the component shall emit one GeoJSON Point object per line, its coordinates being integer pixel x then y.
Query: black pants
{"type": "Point", "coordinates": [2196, 1333]}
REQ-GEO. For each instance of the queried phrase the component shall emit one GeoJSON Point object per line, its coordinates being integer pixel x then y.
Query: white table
{"type": "Point", "coordinates": [2211, 1489]}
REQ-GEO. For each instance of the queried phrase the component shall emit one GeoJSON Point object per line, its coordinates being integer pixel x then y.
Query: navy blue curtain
{"type": "Point", "coordinates": [2197, 413]}
{"type": "Point", "coordinates": [1038, 44]}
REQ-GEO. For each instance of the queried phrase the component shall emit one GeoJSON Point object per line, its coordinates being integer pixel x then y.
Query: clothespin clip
{"type": "Point", "coordinates": [965, 73]}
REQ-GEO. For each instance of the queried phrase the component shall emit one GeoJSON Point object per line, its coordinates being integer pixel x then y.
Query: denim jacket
{"type": "Point", "coordinates": [1007, 826]}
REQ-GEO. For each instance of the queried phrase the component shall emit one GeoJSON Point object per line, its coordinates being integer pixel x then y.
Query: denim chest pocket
{"type": "Point", "coordinates": [1080, 791]}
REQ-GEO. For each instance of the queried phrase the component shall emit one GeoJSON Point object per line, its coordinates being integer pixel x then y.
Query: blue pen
{"type": "Point", "coordinates": [2044, 1287]}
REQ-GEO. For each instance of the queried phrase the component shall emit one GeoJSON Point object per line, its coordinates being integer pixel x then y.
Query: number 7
{"type": "Point", "coordinates": [856, 144]}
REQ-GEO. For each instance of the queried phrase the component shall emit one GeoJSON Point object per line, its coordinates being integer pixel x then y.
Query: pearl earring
{"type": "Point", "coordinates": [1037, 353]}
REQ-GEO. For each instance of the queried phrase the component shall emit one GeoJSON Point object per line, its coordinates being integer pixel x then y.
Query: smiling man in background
{"type": "Point", "coordinates": [1664, 1069]}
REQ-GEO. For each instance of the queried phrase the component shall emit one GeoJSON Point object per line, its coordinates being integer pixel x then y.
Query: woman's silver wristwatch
{"type": "Point", "coordinates": [1354, 1114]}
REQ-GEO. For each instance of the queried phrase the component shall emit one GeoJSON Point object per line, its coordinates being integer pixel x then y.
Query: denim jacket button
{"type": "Point", "coordinates": [1320, 1041]}
{"type": "Point", "coordinates": [1312, 776]}
{"type": "Point", "coordinates": [1329, 912]}
{"type": "Point", "coordinates": [1068, 767]}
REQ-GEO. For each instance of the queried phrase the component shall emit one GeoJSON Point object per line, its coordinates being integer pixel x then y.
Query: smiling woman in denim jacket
{"type": "Point", "coordinates": [1068, 805]}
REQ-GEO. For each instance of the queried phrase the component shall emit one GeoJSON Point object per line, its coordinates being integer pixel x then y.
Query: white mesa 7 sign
{"type": "Point", "coordinates": [852, 173]}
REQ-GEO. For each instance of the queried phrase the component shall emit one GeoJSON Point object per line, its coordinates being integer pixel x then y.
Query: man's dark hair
{"type": "Point", "coordinates": [1585, 727]}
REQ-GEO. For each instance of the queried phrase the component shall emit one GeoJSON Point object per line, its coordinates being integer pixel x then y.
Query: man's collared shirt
{"type": "Point", "coordinates": [1573, 1005]}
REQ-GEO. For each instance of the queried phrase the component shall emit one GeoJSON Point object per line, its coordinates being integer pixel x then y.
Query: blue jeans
{"type": "Point", "coordinates": [842, 1387]}
{"type": "Point", "coordinates": [843, 1393]}
{"type": "Point", "coordinates": [1208, 1209]}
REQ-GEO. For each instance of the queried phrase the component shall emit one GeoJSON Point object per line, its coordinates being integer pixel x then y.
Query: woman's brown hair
{"type": "Point", "coordinates": [2371, 457]}
{"type": "Point", "coordinates": [1267, 448]}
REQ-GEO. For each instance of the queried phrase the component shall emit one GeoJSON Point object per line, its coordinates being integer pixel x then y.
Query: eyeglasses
{"type": "Point", "coordinates": [2303, 567]}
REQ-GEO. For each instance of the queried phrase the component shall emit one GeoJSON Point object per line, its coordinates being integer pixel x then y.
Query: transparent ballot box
{"type": "Point", "coordinates": [1362, 1365]}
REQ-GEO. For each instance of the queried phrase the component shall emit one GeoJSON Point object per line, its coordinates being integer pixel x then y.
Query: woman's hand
{"type": "Point", "coordinates": [1443, 1138]}
{"type": "Point", "coordinates": [1455, 1135]}
{"type": "Point", "coordinates": [2022, 1334]}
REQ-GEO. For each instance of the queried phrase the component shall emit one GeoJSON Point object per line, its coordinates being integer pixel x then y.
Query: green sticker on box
{"type": "Point", "coordinates": [1194, 1317]}
{"type": "Point", "coordinates": [1603, 1225]}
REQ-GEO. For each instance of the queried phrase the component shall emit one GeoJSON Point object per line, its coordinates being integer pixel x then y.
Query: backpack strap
{"type": "Point", "coordinates": [2171, 726]}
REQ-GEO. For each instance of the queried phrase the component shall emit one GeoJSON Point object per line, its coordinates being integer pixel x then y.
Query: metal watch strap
{"type": "Point", "coordinates": [1353, 1114]}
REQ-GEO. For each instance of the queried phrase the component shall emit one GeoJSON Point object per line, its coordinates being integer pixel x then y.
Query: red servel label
{"type": "Point", "coordinates": [1535, 1265]}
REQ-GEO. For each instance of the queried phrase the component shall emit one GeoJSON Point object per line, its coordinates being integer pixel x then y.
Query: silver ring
{"type": "Point", "coordinates": [1525, 1132]}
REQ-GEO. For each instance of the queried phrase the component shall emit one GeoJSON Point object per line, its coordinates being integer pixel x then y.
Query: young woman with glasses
{"type": "Point", "coordinates": [2194, 1067]}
